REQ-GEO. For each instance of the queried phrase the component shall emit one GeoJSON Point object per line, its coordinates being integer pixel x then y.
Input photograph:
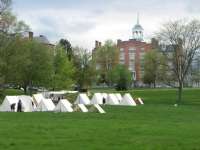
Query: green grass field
{"type": "Point", "coordinates": [157, 125]}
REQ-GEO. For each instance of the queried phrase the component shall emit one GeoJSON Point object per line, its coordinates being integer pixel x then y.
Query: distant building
{"type": "Point", "coordinates": [41, 39]}
{"type": "Point", "coordinates": [137, 31]}
{"type": "Point", "coordinates": [132, 55]}
{"type": "Point", "coordinates": [132, 52]}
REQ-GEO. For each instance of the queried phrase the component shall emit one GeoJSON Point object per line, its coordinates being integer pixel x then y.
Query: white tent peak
{"type": "Point", "coordinates": [97, 98]}
{"type": "Point", "coordinates": [63, 106]}
{"type": "Point", "coordinates": [140, 101]}
{"type": "Point", "coordinates": [82, 99]}
{"type": "Point", "coordinates": [37, 98]}
{"type": "Point", "coordinates": [112, 100]}
{"type": "Point", "coordinates": [45, 105]}
{"type": "Point", "coordinates": [97, 108]}
{"type": "Point", "coordinates": [127, 100]}
{"type": "Point", "coordinates": [80, 107]}
{"type": "Point", "coordinates": [119, 96]}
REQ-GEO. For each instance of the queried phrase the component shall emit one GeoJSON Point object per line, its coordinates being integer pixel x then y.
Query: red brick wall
{"type": "Point", "coordinates": [126, 45]}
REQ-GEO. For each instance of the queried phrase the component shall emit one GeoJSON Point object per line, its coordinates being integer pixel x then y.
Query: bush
{"type": "Point", "coordinates": [120, 76]}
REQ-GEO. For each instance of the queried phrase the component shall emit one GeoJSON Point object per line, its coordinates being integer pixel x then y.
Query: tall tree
{"type": "Point", "coordinates": [4, 6]}
{"type": "Point", "coordinates": [184, 38]}
{"type": "Point", "coordinates": [23, 63]}
{"type": "Point", "coordinates": [67, 47]}
{"type": "Point", "coordinates": [154, 67]}
{"type": "Point", "coordinates": [9, 24]}
{"type": "Point", "coordinates": [106, 57]}
{"type": "Point", "coordinates": [120, 76]}
{"type": "Point", "coordinates": [32, 68]}
{"type": "Point", "coordinates": [64, 70]}
{"type": "Point", "coordinates": [85, 70]}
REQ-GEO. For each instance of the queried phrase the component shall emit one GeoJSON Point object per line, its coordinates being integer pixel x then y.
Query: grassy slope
{"type": "Point", "coordinates": [156, 125]}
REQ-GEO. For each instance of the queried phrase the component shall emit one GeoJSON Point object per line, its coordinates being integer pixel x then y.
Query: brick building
{"type": "Point", "coordinates": [40, 39]}
{"type": "Point", "coordinates": [132, 52]}
{"type": "Point", "coordinates": [132, 55]}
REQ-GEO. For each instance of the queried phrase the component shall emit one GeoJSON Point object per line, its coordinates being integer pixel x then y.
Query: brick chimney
{"type": "Point", "coordinates": [118, 41]}
{"type": "Point", "coordinates": [96, 44]}
{"type": "Point", "coordinates": [154, 43]}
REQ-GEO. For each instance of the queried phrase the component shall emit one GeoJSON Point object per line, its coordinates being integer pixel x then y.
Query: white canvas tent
{"type": "Point", "coordinates": [63, 106]}
{"type": "Point", "coordinates": [127, 100]}
{"type": "Point", "coordinates": [119, 97]}
{"type": "Point", "coordinates": [45, 105]}
{"type": "Point", "coordinates": [82, 99]}
{"type": "Point", "coordinates": [140, 100]}
{"type": "Point", "coordinates": [80, 107]}
{"type": "Point", "coordinates": [37, 98]}
{"type": "Point", "coordinates": [97, 108]}
{"type": "Point", "coordinates": [104, 95]}
{"type": "Point", "coordinates": [9, 100]}
{"type": "Point", "coordinates": [112, 100]}
{"type": "Point", "coordinates": [97, 99]}
{"type": "Point", "coordinates": [27, 103]}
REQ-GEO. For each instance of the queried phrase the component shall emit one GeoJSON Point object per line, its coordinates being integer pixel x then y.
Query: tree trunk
{"type": "Point", "coordinates": [30, 88]}
{"type": "Point", "coordinates": [180, 90]}
{"type": "Point", "coordinates": [25, 89]}
{"type": "Point", "coordinates": [154, 84]}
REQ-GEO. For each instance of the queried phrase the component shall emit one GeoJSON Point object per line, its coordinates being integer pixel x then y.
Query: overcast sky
{"type": "Point", "coordinates": [84, 21]}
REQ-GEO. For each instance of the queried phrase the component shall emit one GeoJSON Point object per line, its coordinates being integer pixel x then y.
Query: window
{"type": "Point", "coordinates": [132, 65]}
{"type": "Point", "coordinates": [142, 55]}
{"type": "Point", "coordinates": [122, 62]}
{"type": "Point", "coordinates": [121, 50]}
{"type": "Point", "coordinates": [132, 53]}
{"type": "Point", "coordinates": [122, 54]}
{"type": "Point", "coordinates": [132, 50]}
{"type": "Point", "coordinates": [142, 49]}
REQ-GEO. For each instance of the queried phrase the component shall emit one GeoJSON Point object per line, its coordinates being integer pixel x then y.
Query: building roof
{"type": "Point", "coordinates": [42, 39]}
{"type": "Point", "coordinates": [138, 27]}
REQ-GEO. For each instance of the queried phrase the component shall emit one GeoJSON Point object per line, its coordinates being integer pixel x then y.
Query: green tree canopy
{"type": "Point", "coordinates": [64, 70]}
{"type": "Point", "coordinates": [154, 67]}
{"type": "Point", "coordinates": [66, 45]}
{"type": "Point", "coordinates": [120, 76]}
{"type": "Point", "coordinates": [27, 63]}
{"type": "Point", "coordinates": [85, 69]}
{"type": "Point", "coordinates": [106, 57]}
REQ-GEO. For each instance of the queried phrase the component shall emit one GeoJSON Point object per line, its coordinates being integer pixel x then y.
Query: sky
{"type": "Point", "coordinates": [84, 21]}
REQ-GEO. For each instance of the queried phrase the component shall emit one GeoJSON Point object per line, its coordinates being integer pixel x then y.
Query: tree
{"type": "Point", "coordinates": [32, 68]}
{"type": "Point", "coordinates": [67, 47]}
{"type": "Point", "coordinates": [106, 58]}
{"type": "Point", "coordinates": [4, 6]}
{"type": "Point", "coordinates": [184, 38]}
{"type": "Point", "coordinates": [195, 69]}
{"type": "Point", "coordinates": [64, 70]}
{"type": "Point", "coordinates": [9, 24]}
{"type": "Point", "coordinates": [23, 64]}
{"type": "Point", "coordinates": [120, 76]}
{"type": "Point", "coordinates": [85, 70]}
{"type": "Point", "coordinates": [154, 67]}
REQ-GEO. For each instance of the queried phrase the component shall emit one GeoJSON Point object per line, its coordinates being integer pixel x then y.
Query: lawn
{"type": "Point", "coordinates": [157, 125]}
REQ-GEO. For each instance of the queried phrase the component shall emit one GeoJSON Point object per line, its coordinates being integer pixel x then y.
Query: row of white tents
{"type": "Point", "coordinates": [110, 99]}
{"type": "Point", "coordinates": [39, 103]}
